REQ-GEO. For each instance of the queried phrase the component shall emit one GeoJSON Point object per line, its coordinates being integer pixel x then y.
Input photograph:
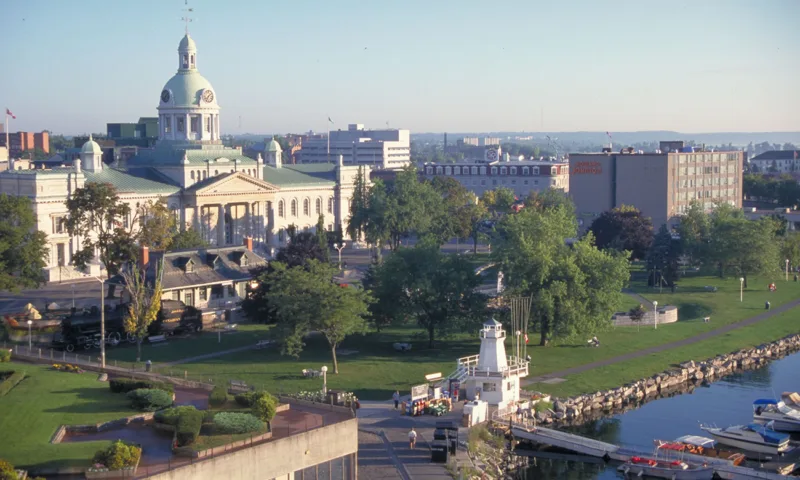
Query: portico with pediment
{"type": "Point", "coordinates": [227, 208]}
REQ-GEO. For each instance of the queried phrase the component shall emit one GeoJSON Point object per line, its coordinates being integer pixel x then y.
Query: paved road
{"type": "Point", "coordinates": [667, 346]}
{"type": "Point", "coordinates": [84, 292]}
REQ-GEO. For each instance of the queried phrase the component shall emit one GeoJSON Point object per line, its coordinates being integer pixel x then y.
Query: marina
{"type": "Point", "coordinates": [614, 441]}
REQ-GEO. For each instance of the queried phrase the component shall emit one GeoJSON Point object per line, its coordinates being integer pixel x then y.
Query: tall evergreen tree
{"type": "Point", "coordinates": [662, 258]}
{"type": "Point", "coordinates": [322, 237]}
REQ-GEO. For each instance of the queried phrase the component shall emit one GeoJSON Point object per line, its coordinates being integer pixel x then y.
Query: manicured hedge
{"type": "Point", "coordinates": [150, 399]}
{"type": "Point", "coordinates": [5, 355]}
{"type": "Point", "coordinates": [11, 382]}
{"type": "Point", "coordinates": [218, 396]}
{"type": "Point", "coordinates": [170, 416]}
{"type": "Point", "coordinates": [246, 399]}
{"type": "Point", "coordinates": [118, 456]}
{"type": "Point", "coordinates": [265, 406]}
{"type": "Point", "coordinates": [234, 422]}
{"type": "Point", "coordinates": [125, 385]}
{"type": "Point", "coordinates": [188, 428]}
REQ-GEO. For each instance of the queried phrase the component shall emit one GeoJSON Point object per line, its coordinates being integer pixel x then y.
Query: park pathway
{"type": "Point", "coordinates": [647, 303]}
{"type": "Point", "coordinates": [666, 346]}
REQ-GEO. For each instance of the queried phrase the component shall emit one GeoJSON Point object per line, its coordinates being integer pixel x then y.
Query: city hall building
{"type": "Point", "coordinates": [226, 196]}
{"type": "Point", "coordinates": [660, 184]}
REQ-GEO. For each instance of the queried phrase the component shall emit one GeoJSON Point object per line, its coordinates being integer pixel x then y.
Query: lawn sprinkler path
{"type": "Point", "coordinates": [666, 346]}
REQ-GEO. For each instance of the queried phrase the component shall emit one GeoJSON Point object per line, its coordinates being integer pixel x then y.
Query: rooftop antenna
{"type": "Point", "coordinates": [187, 18]}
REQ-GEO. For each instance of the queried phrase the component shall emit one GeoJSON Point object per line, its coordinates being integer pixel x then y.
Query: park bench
{"type": "Point", "coordinates": [157, 338]}
{"type": "Point", "coordinates": [706, 319]}
{"type": "Point", "coordinates": [402, 347]}
{"type": "Point", "coordinates": [311, 373]}
{"type": "Point", "coordinates": [231, 327]}
{"type": "Point", "coordinates": [710, 288]}
{"type": "Point", "coordinates": [263, 343]}
{"type": "Point", "coordinates": [237, 386]}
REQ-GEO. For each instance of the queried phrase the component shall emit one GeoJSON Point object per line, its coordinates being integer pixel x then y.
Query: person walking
{"type": "Point", "coordinates": [412, 438]}
{"type": "Point", "coordinates": [396, 398]}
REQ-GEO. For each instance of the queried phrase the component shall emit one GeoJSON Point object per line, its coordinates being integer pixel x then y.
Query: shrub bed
{"type": "Point", "coordinates": [218, 396]}
{"type": "Point", "coordinates": [11, 382]}
{"type": "Point", "coordinates": [170, 416]}
{"type": "Point", "coordinates": [246, 399]}
{"type": "Point", "coordinates": [67, 368]}
{"type": "Point", "coordinates": [150, 399]}
{"type": "Point", "coordinates": [234, 422]}
{"type": "Point", "coordinates": [188, 427]}
{"type": "Point", "coordinates": [125, 385]}
{"type": "Point", "coordinates": [265, 407]}
{"type": "Point", "coordinates": [118, 456]}
{"type": "Point", "coordinates": [5, 355]}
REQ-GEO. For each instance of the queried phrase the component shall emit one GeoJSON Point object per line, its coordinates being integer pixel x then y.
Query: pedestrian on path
{"type": "Point", "coordinates": [412, 438]}
{"type": "Point", "coordinates": [396, 398]}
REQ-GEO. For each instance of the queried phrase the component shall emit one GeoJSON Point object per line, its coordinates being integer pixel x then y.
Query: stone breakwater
{"type": "Point", "coordinates": [680, 379]}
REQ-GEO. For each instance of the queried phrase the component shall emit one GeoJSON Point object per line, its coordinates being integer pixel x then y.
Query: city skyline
{"type": "Point", "coordinates": [457, 67]}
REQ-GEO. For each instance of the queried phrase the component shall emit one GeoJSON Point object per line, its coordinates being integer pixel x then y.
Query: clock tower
{"type": "Point", "coordinates": [188, 111]}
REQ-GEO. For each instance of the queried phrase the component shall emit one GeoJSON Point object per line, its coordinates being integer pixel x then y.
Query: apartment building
{"type": "Point", "coordinates": [387, 149]}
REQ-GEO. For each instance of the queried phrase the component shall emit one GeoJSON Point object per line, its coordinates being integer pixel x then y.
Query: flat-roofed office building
{"type": "Point", "coordinates": [660, 184]}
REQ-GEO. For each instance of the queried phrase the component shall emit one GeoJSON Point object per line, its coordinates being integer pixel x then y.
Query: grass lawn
{"type": "Point", "coordinates": [32, 411]}
{"type": "Point", "coordinates": [613, 376]}
{"type": "Point", "coordinates": [628, 303]}
{"type": "Point", "coordinates": [374, 372]}
{"type": "Point", "coordinates": [197, 344]}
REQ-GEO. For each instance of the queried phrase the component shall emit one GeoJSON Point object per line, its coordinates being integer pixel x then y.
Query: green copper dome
{"type": "Point", "coordinates": [186, 90]}
{"type": "Point", "coordinates": [91, 147]}
{"type": "Point", "coordinates": [187, 43]}
{"type": "Point", "coordinates": [274, 146]}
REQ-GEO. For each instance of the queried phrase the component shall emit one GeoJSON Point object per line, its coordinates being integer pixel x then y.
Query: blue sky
{"type": "Point", "coordinates": [430, 66]}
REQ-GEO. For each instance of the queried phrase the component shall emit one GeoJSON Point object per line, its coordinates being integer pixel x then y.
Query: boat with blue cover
{"type": "Point", "coordinates": [783, 418]}
{"type": "Point", "coordinates": [751, 438]}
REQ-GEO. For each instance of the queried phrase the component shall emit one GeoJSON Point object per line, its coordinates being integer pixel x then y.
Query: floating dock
{"type": "Point", "coordinates": [608, 451]}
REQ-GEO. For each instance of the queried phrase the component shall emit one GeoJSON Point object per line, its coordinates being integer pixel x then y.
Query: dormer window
{"type": "Point", "coordinates": [189, 268]}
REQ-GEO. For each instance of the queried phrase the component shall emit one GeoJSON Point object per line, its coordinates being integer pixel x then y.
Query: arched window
{"type": "Point", "coordinates": [526, 171]}
{"type": "Point", "coordinates": [438, 170]}
{"type": "Point", "coordinates": [319, 206]}
{"type": "Point", "coordinates": [447, 171]}
{"type": "Point", "coordinates": [294, 208]}
{"type": "Point", "coordinates": [457, 170]}
{"type": "Point", "coordinates": [536, 170]}
{"type": "Point", "coordinates": [483, 170]}
{"type": "Point", "coordinates": [205, 174]}
{"type": "Point", "coordinates": [330, 204]}
{"type": "Point", "coordinates": [513, 170]}
{"type": "Point", "coordinates": [503, 170]}
{"type": "Point", "coordinates": [192, 174]}
{"type": "Point", "coordinates": [429, 170]}
{"type": "Point", "coordinates": [280, 208]}
{"type": "Point", "coordinates": [474, 170]}
{"type": "Point", "coordinates": [216, 172]}
{"type": "Point", "coordinates": [306, 207]}
{"type": "Point", "coordinates": [494, 170]}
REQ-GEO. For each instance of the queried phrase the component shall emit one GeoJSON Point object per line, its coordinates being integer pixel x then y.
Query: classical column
{"type": "Point", "coordinates": [216, 130]}
{"type": "Point", "coordinates": [187, 127]}
{"type": "Point", "coordinates": [221, 226]}
{"type": "Point", "coordinates": [247, 219]}
{"type": "Point", "coordinates": [197, 219]}
{"type": "Point", "coordinates": [183, 218]}
{"type": "Point", "coordinates": [173, 131]}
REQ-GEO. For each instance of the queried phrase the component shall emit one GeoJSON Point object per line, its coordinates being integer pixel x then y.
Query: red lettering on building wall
{"type": "Point", "coordinates": [587, 168]}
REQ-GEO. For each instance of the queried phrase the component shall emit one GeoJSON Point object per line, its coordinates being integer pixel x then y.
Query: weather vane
{"type": "Point", "coordinates": [187, 18]}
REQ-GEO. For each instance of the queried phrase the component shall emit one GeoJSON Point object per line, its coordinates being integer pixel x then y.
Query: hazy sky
{"type": "Point", "coordinates": [434, 65]}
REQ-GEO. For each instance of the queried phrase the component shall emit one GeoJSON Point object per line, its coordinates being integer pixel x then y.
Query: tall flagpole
{"type": "Point", "coordinates": [8, 145]}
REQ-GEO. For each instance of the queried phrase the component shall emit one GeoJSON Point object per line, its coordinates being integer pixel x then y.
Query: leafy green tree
{"type": "Point", "coordinates": [790, 248]}
{"type": "Point", "coordinates": [188, 238]}
{"type": "Point", "coordinates": [408, 207]}
{"type": "Point", "coordinates": [499, 200]}
{"type": "Point", "coordinates": [359, 209]}
{"type": "Point", "coordinates": [158, 225]}
{"type": "Point", "coordinates": [265, 406]}
{"type": "Point", "coordinates": [745, 247]}
{"type": "Point", "coordinates": [23, 249]}
{"type": "Point", "coordinates": [145, 302]}
{"type": "Point", "coordinates": [663, 257]}
{"type": "Point", "coordinates": [36, 154]}
{"type": "Point", "coordinates": [478, 215]}
{"type": "Point", "coordinates": [435, 289]}
{"type": "Point", "coordinates": [694, 230]}
{"type": "Point", "coordinates": [97, 215]}
{"type": "Point", "coordinates": [307, 299]}
{"type": "Point", "coordinates": [453, 216]}
{"type": "Point", "coordinates": [623, 228]}
{"type": "Point", "coordinates": [575, 288]}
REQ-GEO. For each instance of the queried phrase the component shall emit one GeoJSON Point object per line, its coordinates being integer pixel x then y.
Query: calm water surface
{"type": "Point", "coordinates": [726, 402]}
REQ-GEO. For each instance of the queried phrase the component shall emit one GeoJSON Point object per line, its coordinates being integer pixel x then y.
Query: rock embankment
{"type": "Point", "coordinates": [683, 378]}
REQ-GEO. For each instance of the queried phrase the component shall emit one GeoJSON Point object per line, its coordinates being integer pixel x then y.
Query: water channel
{"type": "Point", "coordinates": [726, 402]}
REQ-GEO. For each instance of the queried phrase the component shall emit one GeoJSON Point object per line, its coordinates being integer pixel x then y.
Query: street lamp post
{"type": "Point", "coordinates": [787, 269]}
{"type": "Point", "coordinates": [30, 339]}
{"type": "Point", "coordinates": [655, 315]}
{"type": "Point", "coordinates": [324, 371]}
{"type": "Point", "coordinates": [102, 322]}
{"type": "Point", "coordinates": [339, 247]}
{"type": "Point", "coordinates": [741, 289]}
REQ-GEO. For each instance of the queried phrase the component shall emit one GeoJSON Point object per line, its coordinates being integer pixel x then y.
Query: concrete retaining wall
{"type": "Point", "coordinates": [276, 458]}
{"type": "Point", "coordinates": [318, 405]}
{"type": "Point", "coordinates": [668, 314]}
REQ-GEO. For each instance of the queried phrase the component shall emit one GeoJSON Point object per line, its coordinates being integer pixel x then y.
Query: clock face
{"type": "Point", "coordinates": [165, 96]}
{"type": "Point", "coordinates": [492, 154]}
{"type": "Point", "coordinates": [208, 96]}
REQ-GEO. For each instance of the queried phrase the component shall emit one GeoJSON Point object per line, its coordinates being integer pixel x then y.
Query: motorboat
{"type": "Point", "coordinates": [705, 449]}
{"type": "Point", "coordinates": [791, 400]}
{"type": "Point", "coordinates": [751, 438]}
{"type": "Point", "coordinates": [667, 462]}
{"type": "Point", "coordinates": [783, 418]}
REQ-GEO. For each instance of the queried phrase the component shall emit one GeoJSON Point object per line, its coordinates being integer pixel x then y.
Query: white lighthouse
{"type": "Point", "coordinates": [492, 375]}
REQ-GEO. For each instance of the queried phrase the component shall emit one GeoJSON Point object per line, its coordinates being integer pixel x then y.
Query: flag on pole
{"type": "Point", "coordinates": [609, 134]}
{"type": "Point", "coordinates": [8, 112]}
{"type": "Point", "coordinates": [329, 119]}
{"type": "Point", "coordinates": [526, 337]}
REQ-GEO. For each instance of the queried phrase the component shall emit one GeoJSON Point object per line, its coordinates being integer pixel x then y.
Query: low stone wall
{"type": "Point", "coordinates": [667, 314]}
{"type": "Point", "coordinates": [319, 405]}
{"type": "Point", "coordinates": [100, 427]}
{"type": "Point", "coordinates": [689, 375]}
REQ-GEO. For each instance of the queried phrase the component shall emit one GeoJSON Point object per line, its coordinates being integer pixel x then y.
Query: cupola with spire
{"type": "Point", "coordinates": [91, 156]}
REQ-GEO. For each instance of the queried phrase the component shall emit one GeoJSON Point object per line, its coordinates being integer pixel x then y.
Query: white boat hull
{"type": "Point", "coordinates": [747, 446]}
{"type": "Point", "coordinates": [778, 425]}
{"type": "Point", "coordinates": [704, 473]}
